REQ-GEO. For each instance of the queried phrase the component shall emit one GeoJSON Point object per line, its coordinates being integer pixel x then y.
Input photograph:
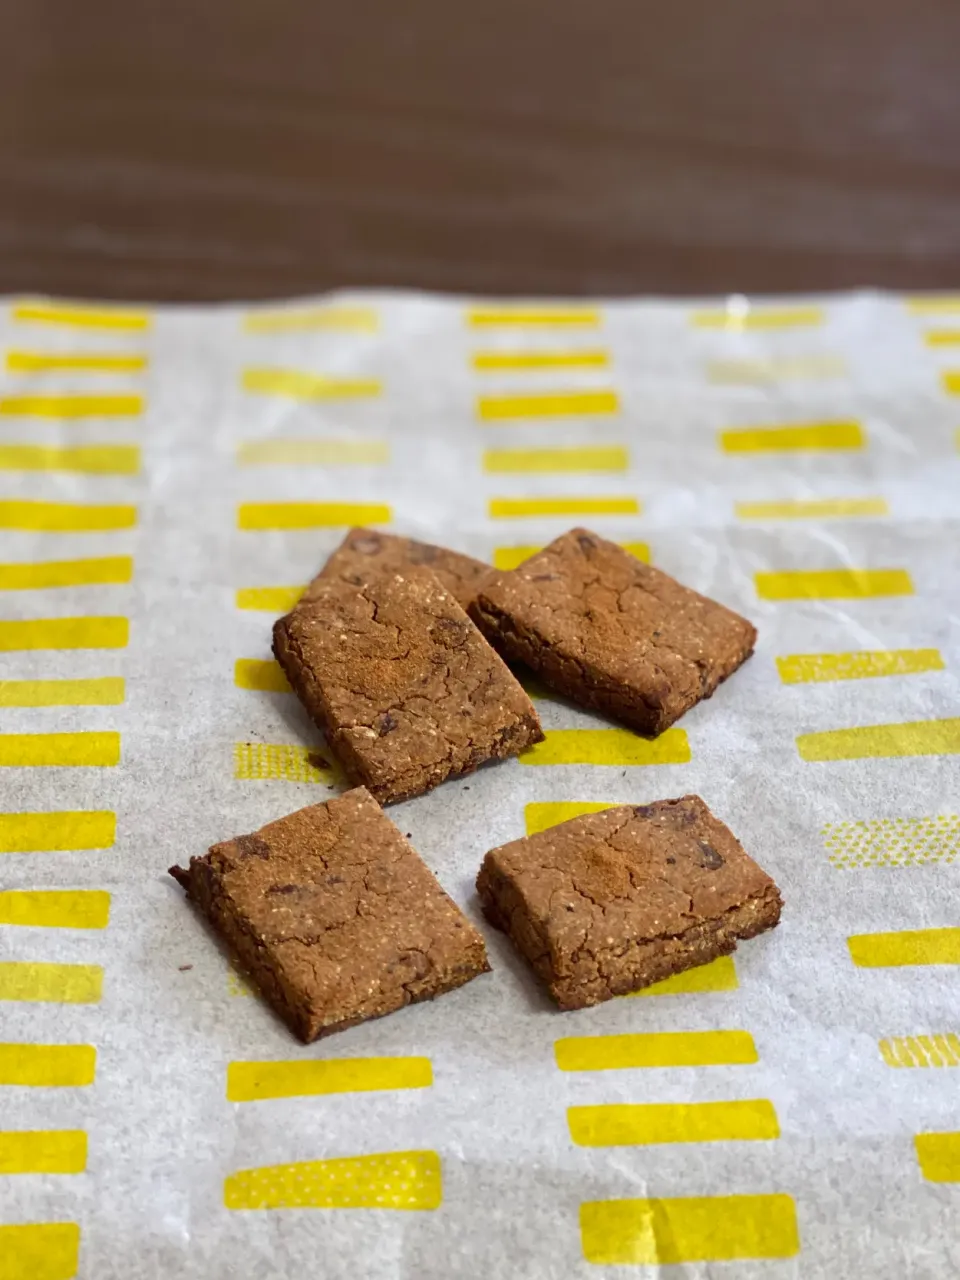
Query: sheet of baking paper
{"type": "Point", "coordinates": [168, 476]}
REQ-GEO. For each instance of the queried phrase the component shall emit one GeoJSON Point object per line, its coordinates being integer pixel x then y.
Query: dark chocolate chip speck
{"type": "Point", "coordinates": [387, 725]}
{"type": "Point", "coordinates": [252, 847]}
{"type": "Point", "coordinates": [709, 858]}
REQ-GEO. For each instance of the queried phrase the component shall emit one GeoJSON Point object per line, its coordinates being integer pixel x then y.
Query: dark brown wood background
{"type": "Point", "coordinates": [251, 148]}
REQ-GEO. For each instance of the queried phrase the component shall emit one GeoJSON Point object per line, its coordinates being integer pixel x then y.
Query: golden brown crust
{"type": "Point", "coordinates": [401, 681]}
{"type": "Point", "coordinates": [334, 915]}
{"type": "Point", "coordinates": [612, 633]}
{"type": "Point", "coordinates": [613, 901]}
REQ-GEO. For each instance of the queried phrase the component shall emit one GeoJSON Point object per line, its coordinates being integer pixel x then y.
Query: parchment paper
{"type": "Point", "coordinates": [162, 1136]}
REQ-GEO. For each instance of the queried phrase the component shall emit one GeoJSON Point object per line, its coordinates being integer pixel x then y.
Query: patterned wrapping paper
{"type": "Point", "coordinates": [168, 478]}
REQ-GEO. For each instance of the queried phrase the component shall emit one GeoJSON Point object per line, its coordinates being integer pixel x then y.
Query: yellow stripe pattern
{"type": "Point", "coordinates": [45, 574]}
{"type": "Point", "coordinates": [767, 372]}
{"type": "Point", "coordinates": [520, 508]}
{"type": "Point", "coordinates": [833, 584]}
{"type": "Point", "coordinates": [513, 557]}
{"type": "Point", "coordinates": [362, 319]}
{"type": "Point", "coordinates": [309, 1078]}
{"type": "Point", "coordinates": [82, 317]}
{"type": "Point", "coordinates": [72, 406]}
{"type": "Point", "coordinates": [883, 741]}
{"type": "Point", "coordinates": [906, 947]}
{"type": "Point", "coordinates": [608, 747]}
{"type": "Point", "coordinates": [553, 404]}
{"type": "Point", "coordinates": [718, 975]}
{"type": "Point", "coordinates": [307, 386]}
{"type": "Point", "coordinates": [921, 1051]}
{"type": "Point", "coordinates": [951, 382]}
{"type": "Point", "coordinates": [258, 761]}
{"type": "Point", "coordinates": [514, 361]}
{"type": "Point", "coordinates": [817, 668]}
{"type": "Point", "coordinates": [50, 361]}
{"type": "Point", "coordinates": [692, 1229]}
{"type": "Point", "coordinates": [313, 453]}
{"type": "Point", "coordinates": [893, 842]}
{"type": "Point", "coordinates": [40, 1251]}
{"type": "Point", "coordinates": [55, 908]}
{"type": "Point", "coordinates": [43, 1151]}
{"type": "Point", "coordinates": [942, 337]}
{"type": "Point", "coordinates": [758, 318]}
{"type": "Point", "coordinates": [107, 691]}
{"type": "Point", "coordinates": [391, 1180]}
{"type": "Point", "coordinates": [64, 517]}
{"type": "Point", "coordinates": [64, 633]}
{"type": "Point", "coordinates": [310, 515]}
{"type": "Point", "coordinates": [59, 831]}
{"type": "Point", "coordinates": [269, 599]}
{"type": "Point", "coordinates": [532, 317]}
{"type": "Point", "coordinates": [27, 750]}
{"type": "Point", "coordinates": [655, 1049]}
{"type": "Point", "coordinates": [814, 435]}
{"type": "Point", "coordinates": [644, 1124]}
{"type": "Point", "coordinates": [51, 983]}
{"type": "Point", "coordinates": [812, 509]}
{"type": "Point", "coordinates": [934, 305]}
{"type": "Point", "coordinates": [94, 459]}
{"type": "Point", "coordinates": [525, 461]}
{"type": "Point", "coordinates": [939, 1156]}
{"type": "Point", "coordinates": [48, 1066]}
{"type": "Point", "coordinates": [261, 674]}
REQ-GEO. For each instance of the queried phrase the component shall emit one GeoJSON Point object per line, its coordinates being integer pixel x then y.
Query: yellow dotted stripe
{"type": "Point", "coordinates": [259, 761]}
{"type": "Point", "coordinates": [67, 750]}
{"type": "Point", "coordinates": [921, 1051]}
{"type": "Point", "coordinates": [766, 372]}
{"type": "Point", "coordinates": [51, 983]}
{"type": "Point", "coordinates": [814, 668]}
{"type": "Point", "coordinates": [655, 1049]}
{"type": "Point", "coordinates": [310, 515]}
{"type": "Point", "coordinates": [72, 406]}
{"type": "Point", "coordinates": [893, 842]}
{"type": "Point", "coordinates": [905, 947]}
{"type": "Point", "coordinates": [94, 459]}
{"type": "Point", "coordinates": [513, 557]}
{"type": "Point", "coordinates": [514, 361]}
{"type": "Point", "coordinates": [391, 1180]}
{"type": "Point", "coordinates": [833, 584]}
{"type": "Point", "coordinates": [532, 317]}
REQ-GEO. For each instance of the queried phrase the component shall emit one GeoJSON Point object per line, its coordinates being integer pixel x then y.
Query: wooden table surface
{"type": "Point", "coordinates": [254, 148]}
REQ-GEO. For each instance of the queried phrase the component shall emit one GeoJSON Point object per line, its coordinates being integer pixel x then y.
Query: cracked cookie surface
{"type": "Point", "coordinates": [401, 681]}
{"type": "Point", "coordinates": [612, 633]}
{"type": "Point", "coordinates": [613, 901]}
{"type": "Point", "coordinates": [366, 551]}
{"type": "Point", "coordinates": [334, 915]}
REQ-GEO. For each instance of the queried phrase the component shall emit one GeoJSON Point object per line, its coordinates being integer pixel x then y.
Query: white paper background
{"type": "Point", "coordinates": [162, 1136]}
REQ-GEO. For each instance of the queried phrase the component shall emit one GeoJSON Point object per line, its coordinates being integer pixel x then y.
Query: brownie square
{"type": "Point", "coordinates": [334, 915]}
{"type": "Point", "coordinates": [612, 901]}
{"type": "Point", "coordinates": [403, 684]}
{"type": "Point", "coordinates": [612, 633]}
{"type": "Point", "coordinates": [365, 551]}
